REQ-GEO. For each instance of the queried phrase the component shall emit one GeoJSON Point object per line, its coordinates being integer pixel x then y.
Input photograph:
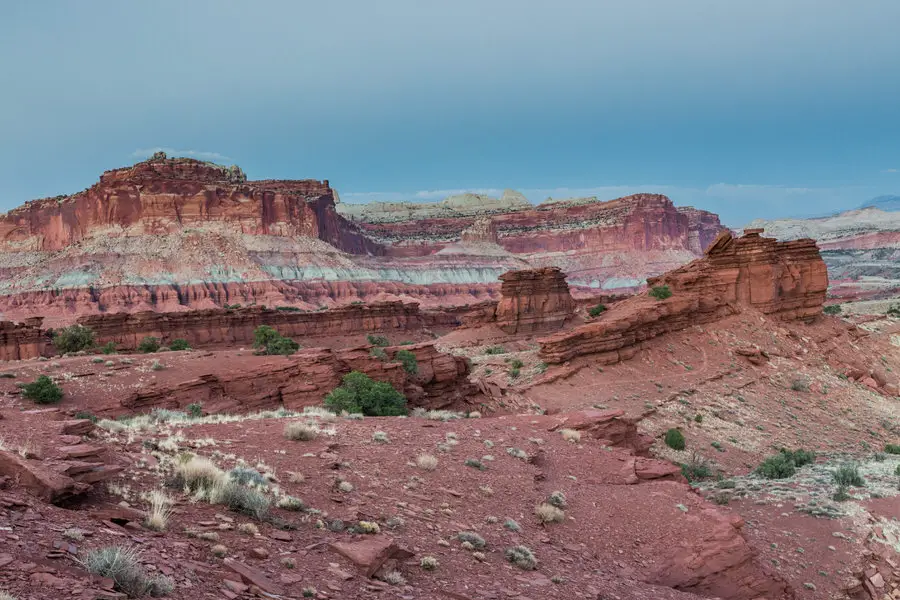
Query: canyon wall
{"type": "Point", "coordinates": [786, 280]}
{"type": "Point", "coordinates": [533, 301]}
{"type": "Point", "coordinates": [180, 234]}
{"type": "Point", "coordinates": [235, 327]}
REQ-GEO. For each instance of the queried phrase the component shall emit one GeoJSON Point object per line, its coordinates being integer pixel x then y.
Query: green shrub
{"type": "Point", "coordinates": [495, 350]}
{"type": "Point", "coordinates": [514, 372]}
{"type": "Point", "coordinates": [358, 393]}
{"type": "Point", "coordinates": [516, 363]}
{"type": "Point", "coordinates": [108, 348]}
{"type": "Point", "coordinates": [242, 499]}
{"type": "Point", "coordinates": [287, 308]}
{"type": "Point", "coordinates": [83, 414]}
{"type": "Point", "coordinates": [379, 353]}
{"type": "Point", "coordinates": [597, 309]}
{"type": "Point", "coordinates": [674, 439]}
{"type": "Point", "coordinates": [848, 475]}
{"type": "Point", "coordinates": [180, 344]}
{"type": "Point", "coordinates": [73, 338]}
{"type": "Point", "coordinates": [833, 309]}
{"type": "Point", "coordinates": [697, 467]}
{"type": "Point", "coordinates": [195, 410]}
{"type": "Point", "coordinates": [408, 360]}
{"type": "Point", "coordinates": [231, 306]}
{"type": "Point", "coordinates": [785, 463]}
{"type": "Point", "coordinates": [473, 538]}
{"type": "Point", "coordinates": [894, 311]}
{"type": "Point", "coordinates": [149, 345]}
{"type": "Point", "coordinates": [270, 342]}
{"type": "Point", "coordinates": [892, 448]}
{"type": "Point", "coordinates": [378, 340]}
{"type": "Point", "coordinates": [661, 292]}
{"type": "Point", "coordinates": [42, 391]}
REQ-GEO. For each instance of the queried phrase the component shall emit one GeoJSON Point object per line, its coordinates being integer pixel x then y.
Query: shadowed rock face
{"type": "Point", "coordinates": [785, 279]}
{"type": "Point", "coordinates": [534, 300]}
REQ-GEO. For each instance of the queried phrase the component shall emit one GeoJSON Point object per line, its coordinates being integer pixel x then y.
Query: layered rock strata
{"type": "Point", "coordinates": [533, 301]}
{"type": "Point", "coordinates": [230, 327]}
{"type": "Point", "coordinates": [786, 280]}
{"type": "Point", "coordinates": [19, 341]}
{"type": "Point", "coordinates": [305, 378]}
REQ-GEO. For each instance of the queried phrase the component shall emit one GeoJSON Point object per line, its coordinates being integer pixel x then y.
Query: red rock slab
{"type": "Point", "coordinates": [253, 576]}
{"type": "Point", "coordinates": [370, 552]}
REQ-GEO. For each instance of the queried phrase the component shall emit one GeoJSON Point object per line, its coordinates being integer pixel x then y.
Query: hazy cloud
{"type": "Point", "coordinates": [891, 171]}
{"type": "Point", "coordinates": [171, 152]}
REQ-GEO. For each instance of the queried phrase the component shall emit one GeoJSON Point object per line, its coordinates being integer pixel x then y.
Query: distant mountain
{"type": "Point", "coordinates": [889, 203]}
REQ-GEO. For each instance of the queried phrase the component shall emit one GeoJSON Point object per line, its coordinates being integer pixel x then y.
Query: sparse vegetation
{"type": "Point", "coordinates": [800, 384]}
{"type": "Point", "coordinates": [195, 410]}
{"type": "Point", "coordinates": [242, 499]}
{"type": "Point", "coordinates": [160, 510]}
{"type": "Point", "coordinates": [148, 345]}
{"type": "Point", "coordinates": [73, 338]}
{"type": "Point", "coordinates": [381, 437]}
{"type": "Point", "coordinates": [892, 448]}
{"type": "Point", "coordinates": [299, 431]}
{"type": "Point", "coordinates": [379, 353]}
{"type": "Point", "coordinates": [697, 467]}
{"type": "Point", "coordinates": [597, 309]}
{"type": "Point", "coordinates": [268, 341]}
{"type": "Point", "coordinates": [475, 464]}
{"type": "Point", "coordinates": [522, 557]}
{"type": "Point", "coordinates": [180, 344]}
{"type": "Point", "coordinates": [408, 360]}
{"type": "Point", "coordinates": [547, 513]}
{"type": "Point", "coordinates": [472, 538]}
{"type": "Point", "coordinates": [785, 463]}
{"type": "Point", "coordinates": [429, 563]}
{"type": "Point", "coordinates": [426, 462]}
{"type": "Point", "coordinates": [660, 292]}
{"type": "Point", "coordinates": [290, 503]}
{"type": "Point", "coordinates": [360, 394]}
{"type": "Point", "coordinates": [108, 348]}
{"type": "Point", "coordinates": [675, 439]}
{"type": "Point", "coordinates": [42, 391]}
{"type": "Point", "coordinates": [848, 475]}
{"type": "Point", "coordinates": [495, 350]}
{"type": "Point", "coordinates": [512, 525]}
{"type": "Point", "coordinates": [378, 340]}
{"type": "Point", "coordinates": [121, 565]}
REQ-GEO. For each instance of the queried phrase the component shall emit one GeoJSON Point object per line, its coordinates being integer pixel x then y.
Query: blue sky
{"type": "Point", "coordinates": [755, 108]}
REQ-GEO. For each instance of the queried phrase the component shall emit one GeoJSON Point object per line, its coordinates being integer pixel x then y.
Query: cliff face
{"type": "Point", "coordinates": [861, 248]}
{"type": "Point", "coordinates": [787, 280]}
{"type": "Point", "coordinates": [180, 234]}
{"type": "Point", "coordinates": [19, 341]}
{"type": "Point", "coordinates": [221, 327]}
{"type": "Point", "coordinates": [162, 196]}
{"type": "Point", "coordinates": [532, 301]}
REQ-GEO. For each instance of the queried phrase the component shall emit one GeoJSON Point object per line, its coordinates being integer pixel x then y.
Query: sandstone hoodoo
{"type": "Point", "coordinates": [786, 280]}
{"type": "Point", "coordinates": [533, 301]}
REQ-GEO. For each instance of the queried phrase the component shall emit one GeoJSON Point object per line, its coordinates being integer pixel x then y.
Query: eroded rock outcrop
{"type": "Point", "coordinates": [786, 280]}
{"type": "Point", "coordinates": [229, 327]}
{"type": "Point", "coordinates": [305, 378]}
{"type": "Point", "coordinates": [534, 300]}
{"type": "Point", "coordinates": [19, 341]}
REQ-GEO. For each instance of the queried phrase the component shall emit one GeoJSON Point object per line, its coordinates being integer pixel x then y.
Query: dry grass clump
{"type": "Point", "coordinates": [290, 503]}
{"type": "Point", "coordinates": [208, 536]}
{"type": "Point", "coordinates": [517, 453]}
{"type": "Point", "coordinates": [295, 477]}
{"type": "Point", "coordinates": [248, 529]}
{"type": "Point", "coordinates": [74, 534]}
{"type": "Point", "coordinates": [219, 550]}
{"type": "Point", "coordinates": [570, 435]}
{"type": "Point", "coordinates": [426, 462]}
{"type": "Point", "coordinates": [299, 431]}
{"type": "Point", "coordinates": [547, 513]}
{"type": "Point", "coordinates": [429, 563]}
{"type": "Point", "coordinates": [381, 437]}
{"type": "Point", "coordinates": [522, 557]}
{"type": "Point", "coordinates": [368, 527]}
{"type": "Point", "coordinates": [394, 578]}
{"type": "Point", "coordinates": [472, 538]}
{"type": "Point", "coordinates": [122, 565]}
{"type": "Point", "coordinates": [160, 510]}
{"type": "Point", "coordinates": [199, 475]}
{"type": "Point", "coordinates": [6, 596]}
{"type": "Point", "coordinates": [345, 487]}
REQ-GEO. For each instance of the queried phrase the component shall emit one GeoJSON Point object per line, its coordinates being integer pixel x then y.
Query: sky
{"type": "Point", "coordinates": [749, 108]}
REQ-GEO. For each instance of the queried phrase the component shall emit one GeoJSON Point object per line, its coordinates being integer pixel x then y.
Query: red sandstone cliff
{"type": "Point", "coordinates": [787, 280]}
{"type": "Point", "coordinates": [163, 195]}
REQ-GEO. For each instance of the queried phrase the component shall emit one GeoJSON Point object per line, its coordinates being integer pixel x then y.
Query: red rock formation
{"type": "Point", "coordinates": [784, 279]}
{"type": "Point", "coordinates": [160, 196]}
{"type": "Point", "coordinates": [230, 327]}
{"type": "Point", "coordinates": [534, 300]}
{"type": "Point", "coordinates": [481, 231]}
{"type": "Point", "coordinates": [21, 340]}
{"type": "Point", "coordinates": [305, 378]}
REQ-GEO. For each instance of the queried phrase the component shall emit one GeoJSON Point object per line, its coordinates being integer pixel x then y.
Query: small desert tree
{"type": "Point", "coordinates": [358, 393]}
{"type": "Point", "coordinates": [73, 338]}
{"type": "Point", "coordinates": [661, 292]}
{"type": "Point", "coordinates": [43, 391]}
